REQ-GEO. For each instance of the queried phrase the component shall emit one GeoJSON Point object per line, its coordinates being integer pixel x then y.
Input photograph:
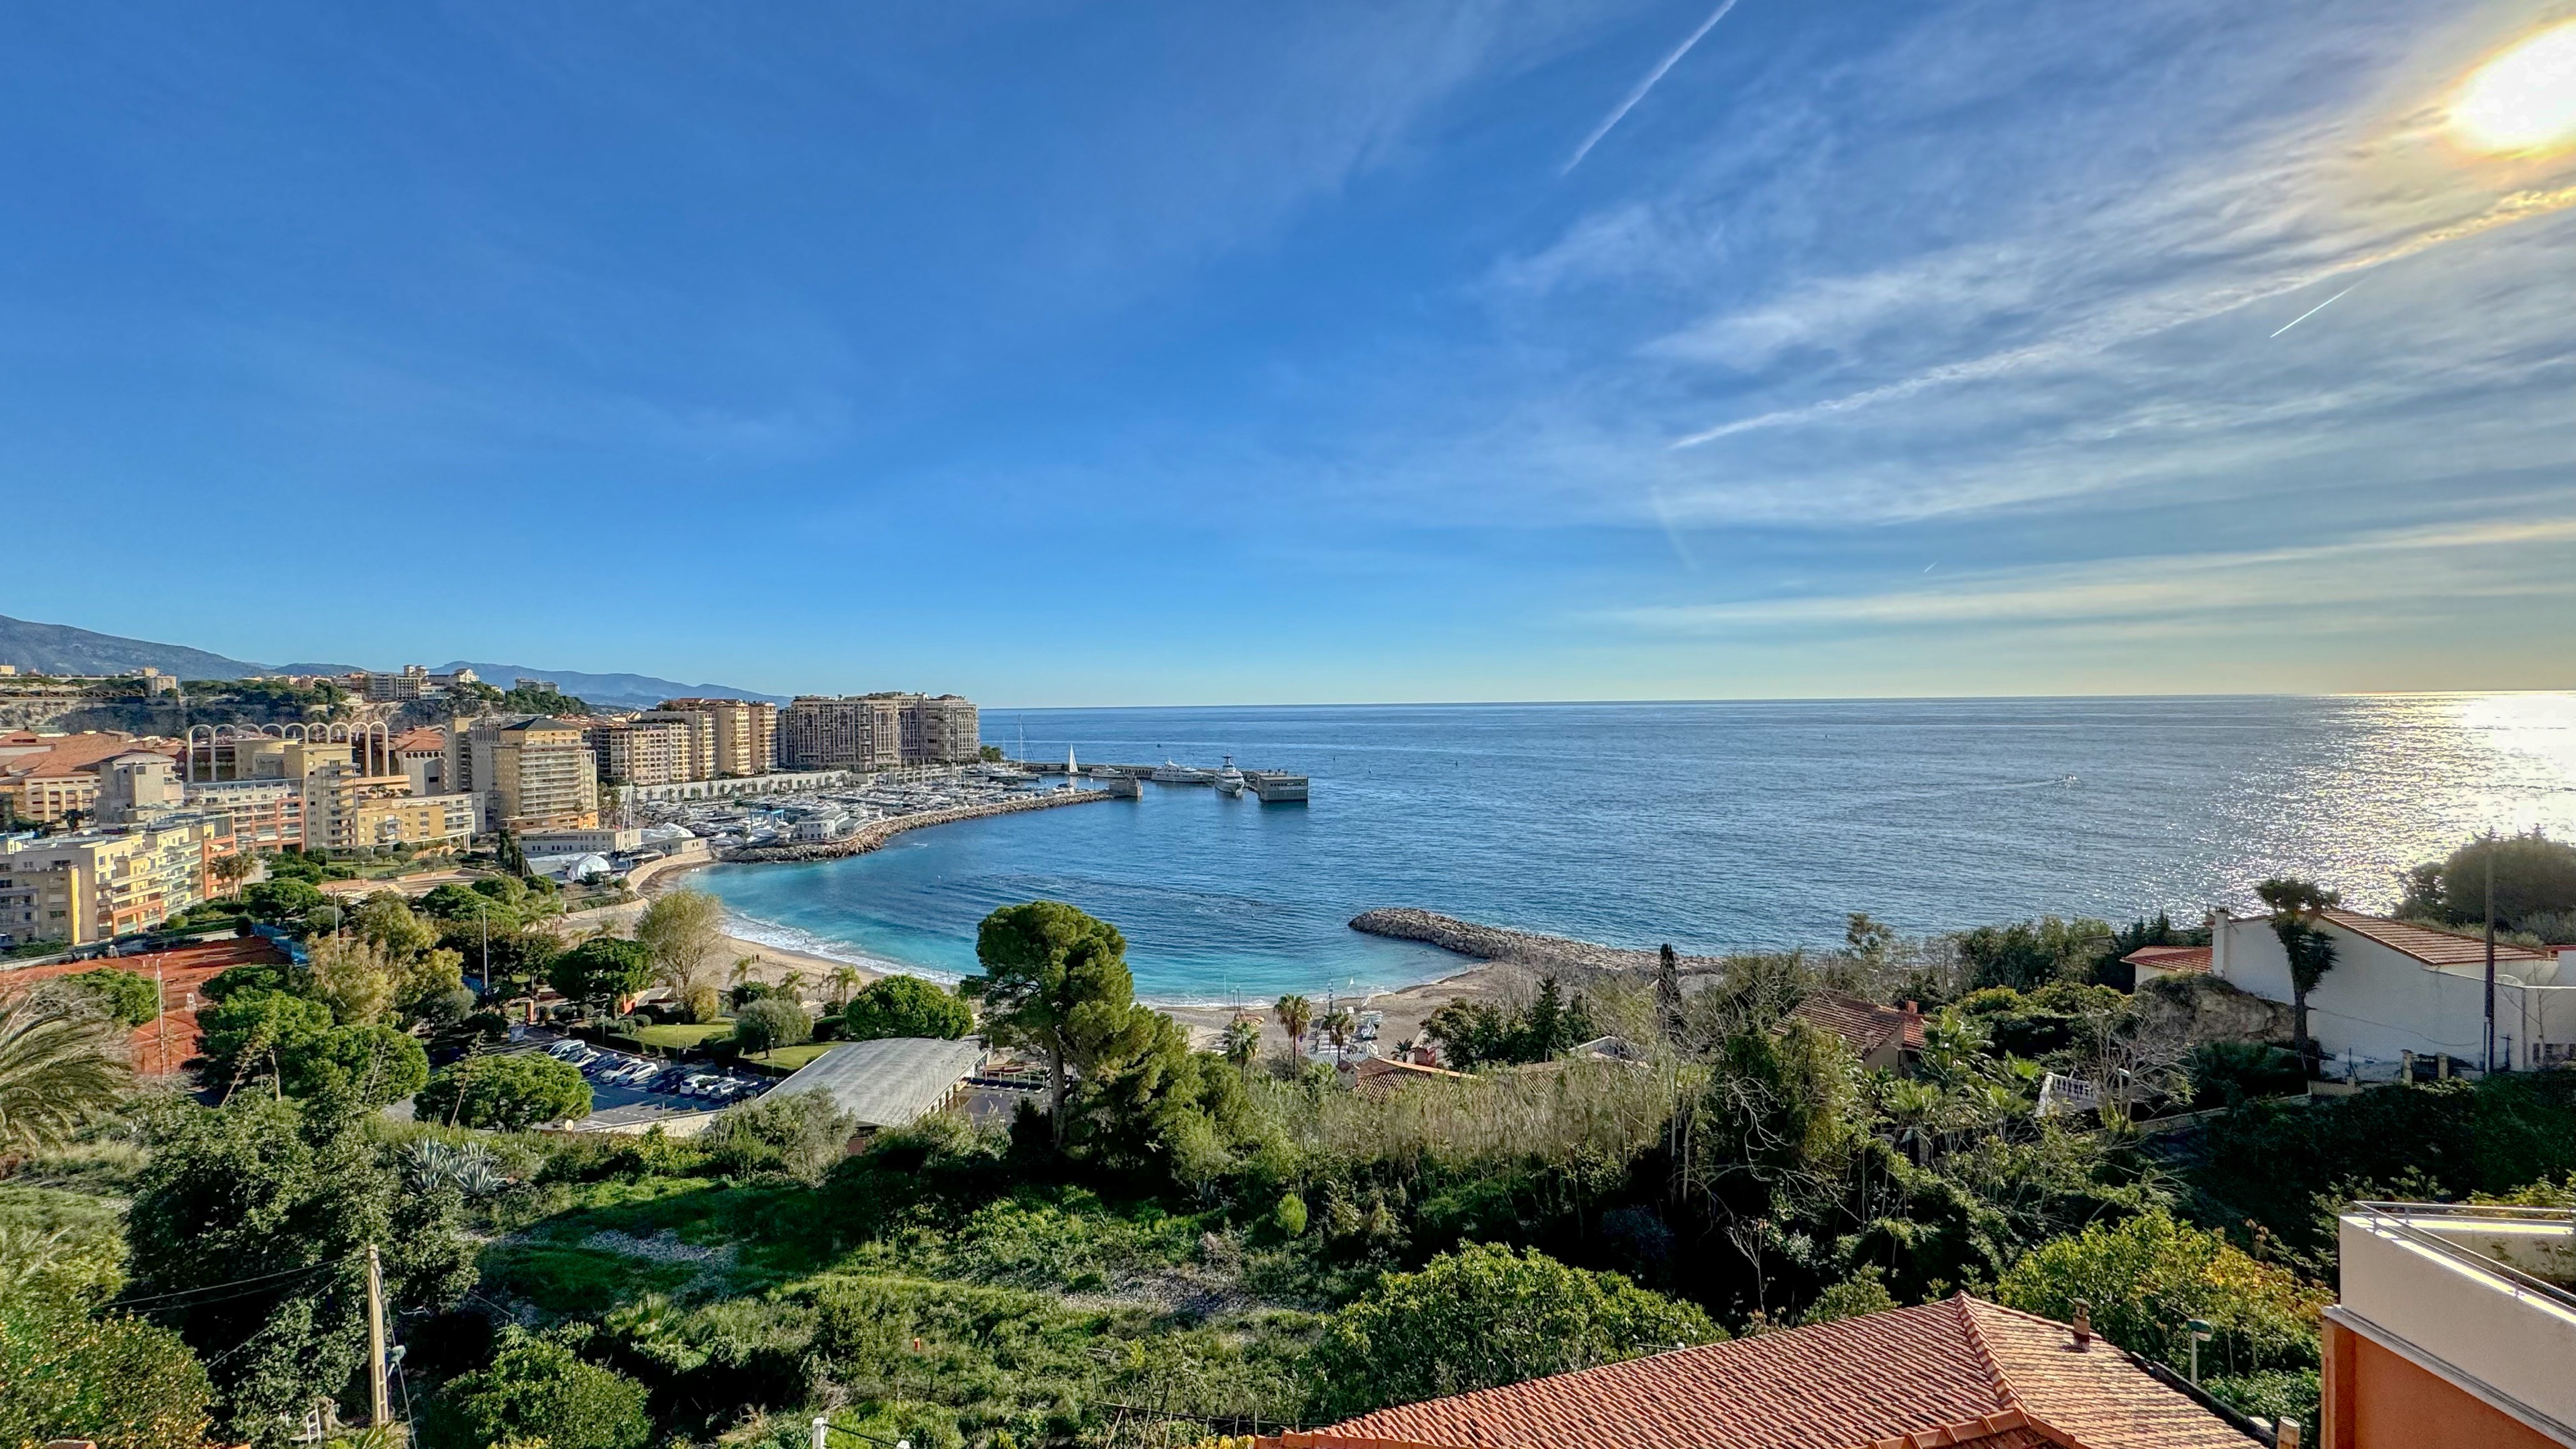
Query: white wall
{"type": "Point", "coordinates": [2379, 1003]}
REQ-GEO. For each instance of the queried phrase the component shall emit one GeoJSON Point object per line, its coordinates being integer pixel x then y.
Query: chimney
{"type": "Point", "coordinates": [2287, 1435]}
{"type": "Point", "coordinates": [2083, 1324]}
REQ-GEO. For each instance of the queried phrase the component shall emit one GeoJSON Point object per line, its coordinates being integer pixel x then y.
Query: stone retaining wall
{"type": "Point", "coordinates": [1494, 943]}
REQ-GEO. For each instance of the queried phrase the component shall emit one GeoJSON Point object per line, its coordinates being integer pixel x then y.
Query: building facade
{"type": "Point", "coordinates": [102, 884]}
{"type": "Point", "coordinates": [533, 772]}
{"type": "Point", "coordinates": [347, 810]}
{"type": "Point", "coordinates": [644, 751]}
{"type": "Point", "coordinates": [264, 814]}
{"type": "Point", "coordinates": [878, 732]}
{"type": "Point", "coordinates": [698, 748]}
{"type": "Point", "coordinates": [2398, 988]}
{"type": "Point", "coordinates": [746, 734]}
{"type": "Point", "coordinates": [2455, 1329]}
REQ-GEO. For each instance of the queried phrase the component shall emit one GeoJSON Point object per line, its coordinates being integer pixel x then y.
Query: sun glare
{"type": "Point", "coordinates": [2524, 100]}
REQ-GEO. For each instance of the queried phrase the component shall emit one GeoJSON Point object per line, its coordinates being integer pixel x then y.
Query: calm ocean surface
{"type": "Point", "coordinates": [1707, 825]}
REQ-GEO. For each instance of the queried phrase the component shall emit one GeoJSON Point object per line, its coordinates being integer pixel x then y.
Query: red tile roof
{"type": "Point", "coordinates": [2170, 958]}
{"type": "Point", "coordinates": [1864, 1025]}
{"type": "Point", "coordinates": [2432, 947]}
{"type": "Point", "coordinates": [1961, 1371]}
{"type": "Point", "coordinates": [423, 739]}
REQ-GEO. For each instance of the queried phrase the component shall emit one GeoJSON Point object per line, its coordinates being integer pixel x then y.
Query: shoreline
{"type": "Point", "coordinates": [1497, 964]}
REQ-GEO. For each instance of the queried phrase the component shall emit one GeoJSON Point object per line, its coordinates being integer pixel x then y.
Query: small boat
{"type": "Point", "coordinates": [1173, 772]}
{"type": "Point", "coordinates": [1229, 779]}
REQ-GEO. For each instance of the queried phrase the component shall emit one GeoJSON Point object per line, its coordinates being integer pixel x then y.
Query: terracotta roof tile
{"type": "Point", "coordinates": [2170, 958]}
{"type": "Point", "coordinates": [1864, 1025]}
{"type": "Point", "coordinates": [427, 737]}
{"type": "Point", "coordinates": [2432, 947]}
{"type": "Point", "coordinates": [1961, 1371]}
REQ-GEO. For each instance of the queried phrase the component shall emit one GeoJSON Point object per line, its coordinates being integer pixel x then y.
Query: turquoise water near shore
{"type": "Point", "coordinates": [1712, 826]}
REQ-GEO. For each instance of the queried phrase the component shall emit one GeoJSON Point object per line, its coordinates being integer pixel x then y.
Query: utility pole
{"type": "Point", "coordinates": [483, 919]}
{"type": "Point", "coordinates": [2489, 1064]}
{"type": "Point", "coordinates": [161, 1012]}
{"type": "Point", "coordinates": [379, 1403]}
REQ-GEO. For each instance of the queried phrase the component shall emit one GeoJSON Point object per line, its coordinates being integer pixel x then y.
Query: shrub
{"type": "Point", "coordinates": [2147, 1278]}
{"type": "Point", "coordinates": [770, 1022]}
{"type": "Point", "coordinates": [1483, 1317]}
{"type": "Point", "coordinates": [111, 1379]}
{"type": "Point", "coordinates": [537, 1390]}
{"type": "Point", "coordinates": [802, 1135]}
{"type": "Point", "coordinates": [513, 1092]}
{"type": "Point", "coordinates": [906, 1006]}
{"type": "Point", "coordinates": [2224, 1073]}
{"type": "Point", "coordinates": [1289, 1216]}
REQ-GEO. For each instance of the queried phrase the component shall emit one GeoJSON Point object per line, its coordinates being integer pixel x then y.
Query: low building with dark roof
{"type": "Point", "coordinates": [1960, 1372]}
{"type": "Point", "coordinates": [891, 1082]}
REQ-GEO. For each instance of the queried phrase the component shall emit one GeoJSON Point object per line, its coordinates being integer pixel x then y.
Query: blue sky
{"type": "Point", "coordinates": [1072, 354]}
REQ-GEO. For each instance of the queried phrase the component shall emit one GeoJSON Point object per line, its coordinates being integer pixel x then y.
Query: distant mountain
{"type": "Point", "coordinates": [61, 649]}
{"type": "Point", "coordinates": [628, 691]}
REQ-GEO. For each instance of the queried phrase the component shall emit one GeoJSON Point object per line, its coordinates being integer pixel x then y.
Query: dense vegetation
{"type": "Point", "coordinates": [1163, 1234]}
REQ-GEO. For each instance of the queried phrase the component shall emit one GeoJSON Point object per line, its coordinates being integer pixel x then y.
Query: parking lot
{"type": "Point", "coordinates": [620, 1080]}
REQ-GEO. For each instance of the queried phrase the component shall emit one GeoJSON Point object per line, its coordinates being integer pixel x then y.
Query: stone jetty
{"type": "Point", "coordinates": [877, 832]}
{"type": "Point", "coordinates": [1496, 943]}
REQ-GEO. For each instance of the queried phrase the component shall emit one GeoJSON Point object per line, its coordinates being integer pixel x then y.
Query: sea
{"type": "Point", "coordinates": [1712, 826]}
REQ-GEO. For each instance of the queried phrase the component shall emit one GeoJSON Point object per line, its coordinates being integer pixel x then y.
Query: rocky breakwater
{"type": "Point", "coordinates": [877, 832]}
{"type": "Point", "coordinates": [1522, 948]}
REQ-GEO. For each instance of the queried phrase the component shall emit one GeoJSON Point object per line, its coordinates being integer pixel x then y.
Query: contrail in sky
{"type": "Point", "coordinates": [1646, 85]}
{"type": "Point", "coordinates": [2312, 311]}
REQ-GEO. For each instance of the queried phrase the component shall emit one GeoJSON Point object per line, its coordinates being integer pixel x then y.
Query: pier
{"type": "Point", "coordinates": [1271, 787]}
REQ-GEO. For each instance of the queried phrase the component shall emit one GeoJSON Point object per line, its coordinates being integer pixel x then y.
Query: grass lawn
{"type": "Point", "coordinates": [682, 1034]}
{"type": "Point", "coordinates": [790, 1058]}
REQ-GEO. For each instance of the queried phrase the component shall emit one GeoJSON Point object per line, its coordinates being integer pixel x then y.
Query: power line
{"type": "Point", "coordinates": [228, 1283]}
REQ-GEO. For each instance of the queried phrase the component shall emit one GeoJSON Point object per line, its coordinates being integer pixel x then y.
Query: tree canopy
{"type": "Point", "coordinates": [1055, 980]}
{"type": "Point", "coordinates": [902, 1005]}
{"type": "Point", "coordinates": [1486, 1316]}
{"type": "Point", "coordinates": [771, 1022]}
{"type": "Point", "coordinates": [537, 1391]}
{"type": "Point", "coordinates": [513, 1092]}
{"type": "Point", "coordinates": [601, 969]}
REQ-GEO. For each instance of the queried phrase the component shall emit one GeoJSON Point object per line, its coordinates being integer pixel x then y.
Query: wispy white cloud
{"type": "Point", "coordinates": [2242, 587]}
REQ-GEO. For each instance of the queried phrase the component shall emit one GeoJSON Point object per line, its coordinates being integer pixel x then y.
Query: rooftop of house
{"type": "Point", "coordinates": [1863, 1024]}
{"type": "Point", "coordinates": [2170, 958]}
{"type": "Point", "coordinates": [425, 740]}
{"type": "Point", "coordinates": [1958, 1372]}
{"type": "Point", "coordinates": [2425, 944]}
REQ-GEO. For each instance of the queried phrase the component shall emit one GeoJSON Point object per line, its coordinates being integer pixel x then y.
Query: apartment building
{"type": "Point", "coordinates": [2455, 1330]}
{"type": "Point", "coordinates": [345, 809]}
{"type": "Point", "coordinates": [746, 734]}
{"type": "Point", "coordinates": [878, 732]}
{"type": "Point", "coordinates": [532, 772]}
{"type": "Point", "coordinates": [264, 814]}
{"type": "Point", "coordinates": [648, 750]}
{"type": "Point", "coordinates": [44, 778]}
{"type": "Point", "coordinates": [97, 885]}
{"type": "Point", "coordinates": [698, 757]}
{"type": "Point", "coordinates": [412, 681]}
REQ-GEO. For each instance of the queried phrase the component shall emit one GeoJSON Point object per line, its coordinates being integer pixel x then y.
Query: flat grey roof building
{"type": "Point", "coordinates": [890, 1082]}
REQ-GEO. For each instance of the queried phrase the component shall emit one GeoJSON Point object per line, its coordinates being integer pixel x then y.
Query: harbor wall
{"type": "Point", "coordinates": [877, 832]}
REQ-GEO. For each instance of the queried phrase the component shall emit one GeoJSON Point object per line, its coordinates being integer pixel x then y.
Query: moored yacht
{"type": "Point", "coordinates": [1229, 779]}
{"type": "Point", "coordinates": [1173, 772]}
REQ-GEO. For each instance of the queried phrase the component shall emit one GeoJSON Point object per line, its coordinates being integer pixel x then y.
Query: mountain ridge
{"type": "Point", "coordinates": [38, 648]}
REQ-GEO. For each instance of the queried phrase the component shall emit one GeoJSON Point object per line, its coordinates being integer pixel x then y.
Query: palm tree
{"type": "Point", "coordinates": [1242, 1042]}
{"type": "Point", "coordinates": [2296, 906]}
{"type": "Point", "coordinates": [1295, 1013]}
{"type": "Point", "coordinates": [58, 1069]}
{"type": "Point", "coordinates": [233, 869]}
{"type": "Point", "coordinates": [1338, 1026]}
{"type": "Point", "coordinates": [843, 979]}
{"type": "Point", "coordinates": [789, 983]}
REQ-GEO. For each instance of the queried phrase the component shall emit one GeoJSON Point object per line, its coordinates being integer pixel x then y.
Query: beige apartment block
{"type": "Point", "coordinates": [347, 810]}
{"type": "Point", "coordinates": [265, 814]}
{"type": "Point", "coordinates": [534, 773]}
{"type": "Point", "coordinates": [746, 733]}
{"type": "Point", "coordinates": [645, 751]}
{"type": "Point", "coordinates": [98, 885]}
{"type": "Point", "coordinates": [698, 753]}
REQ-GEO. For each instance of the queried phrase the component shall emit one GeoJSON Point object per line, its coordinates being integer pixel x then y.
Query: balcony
{"type": "Point", "coordinates": [2478, 1297]}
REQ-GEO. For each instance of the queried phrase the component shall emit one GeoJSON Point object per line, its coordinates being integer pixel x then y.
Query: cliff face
{"type": "Point", "coordinates": [121, 707]}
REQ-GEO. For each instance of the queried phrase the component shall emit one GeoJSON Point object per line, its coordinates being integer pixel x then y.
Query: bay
{"type": "Point", "coordinates": [1710, 825]}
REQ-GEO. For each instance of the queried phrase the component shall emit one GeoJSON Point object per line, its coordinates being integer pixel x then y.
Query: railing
{"type": "Point", "coordinates": [2393, 1218]}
